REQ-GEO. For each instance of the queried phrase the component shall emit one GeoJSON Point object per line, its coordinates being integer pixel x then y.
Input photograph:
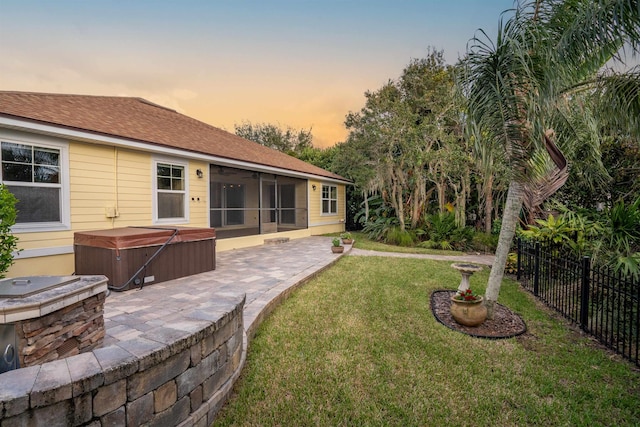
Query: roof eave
{"type": "Point", "coordinates": [76, 134]}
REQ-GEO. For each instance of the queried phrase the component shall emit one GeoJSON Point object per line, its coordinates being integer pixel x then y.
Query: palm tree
{"type": "Point", "coordinates": [520, 88]}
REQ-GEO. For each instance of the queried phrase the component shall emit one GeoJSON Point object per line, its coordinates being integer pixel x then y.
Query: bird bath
{"type": "Point", "coordinates": [466, 270]}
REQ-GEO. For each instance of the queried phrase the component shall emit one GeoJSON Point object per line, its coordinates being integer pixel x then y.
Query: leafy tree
{"type": "Point", "coordinates": [8, 242]}
{"type": "Point", "coordinates": [615, 177]}
{"type": "Point", "coordinates": [400, 138]}
{"type": "Point", "coordinates": [489, 174]}
{"type": "Point", "coordinates": [321, 157]}
{"type": "Point", "coordinates": [621, 158]}
{"type": "Point", "coordinates": [520, 87]}
{"type": "Point", "coordinates": [287, 140]}
{"type": "Point", "coordinates": [351, 161]}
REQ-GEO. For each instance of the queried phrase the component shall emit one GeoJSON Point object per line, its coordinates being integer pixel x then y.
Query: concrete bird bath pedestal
{"type": "Point", "coordinates": [467, 271]}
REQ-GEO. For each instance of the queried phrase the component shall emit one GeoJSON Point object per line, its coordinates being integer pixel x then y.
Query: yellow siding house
{"type": "Point", "coordinates": [79, 163]}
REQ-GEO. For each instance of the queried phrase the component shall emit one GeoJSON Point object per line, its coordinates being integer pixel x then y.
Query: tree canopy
{"type": "Point", "coordinates": [404, 134]}
{"type": "Point", "coordinates": [287, 139]}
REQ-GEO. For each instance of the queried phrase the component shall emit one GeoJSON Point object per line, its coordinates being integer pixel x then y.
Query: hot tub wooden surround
{"type": "Point", "coordinates": [132, 257]}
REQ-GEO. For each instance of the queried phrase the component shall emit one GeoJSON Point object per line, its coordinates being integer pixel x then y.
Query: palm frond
{"type": "Point", "coordinates": [547, 175]}
{"type": "Point", "coordinates": [619, 96]}
{"type": "Point", "coordinates": [542, 53]}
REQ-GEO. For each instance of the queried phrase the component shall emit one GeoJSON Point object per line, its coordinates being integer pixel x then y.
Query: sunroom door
{"type": "Point", "coordinates": [268, 210]}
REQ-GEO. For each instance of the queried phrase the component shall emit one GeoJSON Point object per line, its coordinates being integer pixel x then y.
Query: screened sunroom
{"type": "Point", "coordinates": [244, 202]}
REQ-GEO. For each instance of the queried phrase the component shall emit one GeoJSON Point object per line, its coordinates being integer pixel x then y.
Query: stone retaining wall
{"type": "Point", "coordinates": [182, 381]}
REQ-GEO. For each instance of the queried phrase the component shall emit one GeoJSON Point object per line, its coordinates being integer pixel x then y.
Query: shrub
{"type": "Point", "coordinates": [552, 229]}
{"type": "Point", "coordinates": [496, 226]}
{"type": "Point", "coordinates": [428, 244]}
{"type": "Point", "coordinates": [381, 219]}
{"type": "Point", "coordinates": [511, 267]}
{"type": "Point", "coordinates": [396, 236]}
{"type": "Point", "coordinates": [611, 237]}
{"type": "Point", "coordinates": [461, 238]}
{"type": "Point", "coordinates": [441, 226]}
{"type": "Point", "coordinates": [484, 242]}
{"type": "Point", "coordinates": [442, 229]}
{"type": "Point", "coordinates": [445, 246]}
{"type": "Point", "coordinates": [8, 242]}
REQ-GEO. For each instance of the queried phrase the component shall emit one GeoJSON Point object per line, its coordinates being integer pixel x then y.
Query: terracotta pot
{"type": "Point", "coordinates": [347, 241]}
{"type": "Point", "coordinates": [337, 249]}
{"type": "Point", "coordinates": [468, 313]}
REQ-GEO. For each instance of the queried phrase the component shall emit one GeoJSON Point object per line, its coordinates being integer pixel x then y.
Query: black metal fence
{"type": "Point", "coordinates": [604, 303]}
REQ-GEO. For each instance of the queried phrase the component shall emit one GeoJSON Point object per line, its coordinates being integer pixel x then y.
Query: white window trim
{"type": "Point", "coordinates": [154, 180]}
{"type": "Point", "coordinates": [17, 137]}
{"type": "Point", "coordinates": [322, 199]}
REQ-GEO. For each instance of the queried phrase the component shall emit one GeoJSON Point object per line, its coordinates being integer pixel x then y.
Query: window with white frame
{"type": "Point", "coordinates": [329, 200]}
{"type": "Point", "coordinates": [171, 194]}
{"type": "Point", "coordinates": [36, 174]}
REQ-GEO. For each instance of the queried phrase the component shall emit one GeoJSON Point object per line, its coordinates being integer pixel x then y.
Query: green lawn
{"type": "Point", "coordinates": [358, 346]}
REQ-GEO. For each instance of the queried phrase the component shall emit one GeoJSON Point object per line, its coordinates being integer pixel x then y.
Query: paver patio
{"type": "Point", "coordinates": [266, 274]}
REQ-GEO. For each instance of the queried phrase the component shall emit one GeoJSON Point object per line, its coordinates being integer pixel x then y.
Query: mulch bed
{"type": "Point", "coordinates": [505, 324]}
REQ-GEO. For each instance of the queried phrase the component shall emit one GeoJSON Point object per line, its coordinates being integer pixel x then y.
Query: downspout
{"type": "Point", "coordinates": [116, 186]}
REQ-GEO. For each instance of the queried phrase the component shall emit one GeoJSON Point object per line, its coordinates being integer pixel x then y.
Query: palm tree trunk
{"type": "Point", "coordinates": [513, 205]}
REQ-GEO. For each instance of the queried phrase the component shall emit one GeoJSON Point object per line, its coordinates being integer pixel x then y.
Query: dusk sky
{"type": "Point", "coordinates": [303, 64]}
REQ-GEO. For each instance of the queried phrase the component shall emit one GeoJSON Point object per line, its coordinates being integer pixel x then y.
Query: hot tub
{"type": "Point", "coordinates": [131, 257]}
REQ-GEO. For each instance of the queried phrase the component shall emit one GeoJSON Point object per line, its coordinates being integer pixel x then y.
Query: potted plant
{"type": "Point", "coordinates": [337, 248]}
{"type": "Point", "coordinates": [347, 238]}
{"type": "Point", "coordinates": [467, 308]}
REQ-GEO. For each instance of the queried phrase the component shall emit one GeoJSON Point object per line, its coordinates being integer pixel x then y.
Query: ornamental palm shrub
{"type": "Point", "coordinates": [587, 228]}
{"type": "Point", "coordinates": [621, 243]}
{"type": "Point", "coordinates": [377, 218]}
{"type": "Point", "coordinates": [555, 230]}
{"type": "Point", "coordinates": [8, 242]}
{"type": "Point", "coordinates": [441, 228]}
{"type": "Point", "coordinates": [611, 238]}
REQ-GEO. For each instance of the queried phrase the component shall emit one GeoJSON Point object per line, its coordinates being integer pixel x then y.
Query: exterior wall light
{"type": "Point", "coordinates": [199, 173]}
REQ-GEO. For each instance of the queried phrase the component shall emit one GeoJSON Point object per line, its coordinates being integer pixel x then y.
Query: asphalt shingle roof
{"type": "Point", "coordinates": [143, 121]}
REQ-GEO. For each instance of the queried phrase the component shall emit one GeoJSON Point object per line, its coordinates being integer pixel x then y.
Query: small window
{"type": "Point", "coordinates": [329, 199]}
{"type": "Point", "coordinates": [33, 174]}
{"type": "Point", "coordinates": [170, 192]}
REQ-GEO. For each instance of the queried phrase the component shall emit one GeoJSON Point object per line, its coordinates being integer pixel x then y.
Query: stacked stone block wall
{"type": "Point", "coordinates": [75, 329]}
{"type": "Point", "coordinates": [182, 382]}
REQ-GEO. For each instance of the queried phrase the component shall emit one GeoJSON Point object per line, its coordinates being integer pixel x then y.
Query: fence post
{"type": "Point", "coordinates": [584, 293]}
{"type": "Point", "coordinates": [519, 262]}
{"type": "Point", "coordinates": [536, 269]}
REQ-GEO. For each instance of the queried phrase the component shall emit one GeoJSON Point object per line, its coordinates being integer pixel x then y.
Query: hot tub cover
{"type": "Point", "coordinates": [136, 237]}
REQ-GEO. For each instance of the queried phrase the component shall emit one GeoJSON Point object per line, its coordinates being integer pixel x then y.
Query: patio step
{"type": "Point", "coordinates": [276, 240]}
